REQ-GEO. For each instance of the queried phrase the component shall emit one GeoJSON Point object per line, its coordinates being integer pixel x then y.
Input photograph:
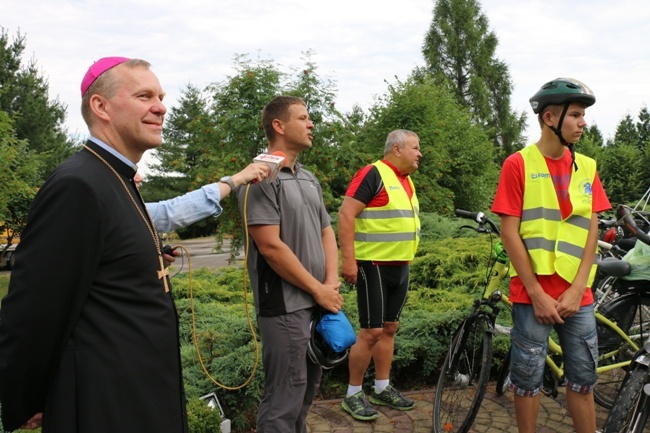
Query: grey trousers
{"type": "Point", "coordinates": [292, 380]}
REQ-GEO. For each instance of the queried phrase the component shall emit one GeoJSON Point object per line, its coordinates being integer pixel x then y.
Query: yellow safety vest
{"type": "Point", "coordinates": [555, 244]}
{"type": "Point", "coordinates": [390, 232]}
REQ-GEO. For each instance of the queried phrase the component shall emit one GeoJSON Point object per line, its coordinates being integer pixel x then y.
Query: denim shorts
{"type": "Point", "coordinates": [529, 343]}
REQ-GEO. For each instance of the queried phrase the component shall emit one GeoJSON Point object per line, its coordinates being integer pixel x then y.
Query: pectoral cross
{"type": "Point", "coordinates": [162, 273]}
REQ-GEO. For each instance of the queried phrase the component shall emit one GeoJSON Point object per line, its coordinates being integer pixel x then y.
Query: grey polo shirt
{"type": "Point", "coordinates": [295, 202]}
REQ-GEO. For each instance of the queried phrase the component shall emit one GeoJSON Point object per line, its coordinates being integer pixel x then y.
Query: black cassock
{"type": "Point", "coordinates": [88, 335]}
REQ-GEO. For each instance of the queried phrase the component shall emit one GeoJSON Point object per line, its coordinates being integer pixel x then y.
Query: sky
{"type": "Point", "coordinates": [362, 45]}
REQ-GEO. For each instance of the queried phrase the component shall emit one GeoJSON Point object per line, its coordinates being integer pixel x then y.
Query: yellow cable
{"type": "Point", "coordinates": [248, 318]}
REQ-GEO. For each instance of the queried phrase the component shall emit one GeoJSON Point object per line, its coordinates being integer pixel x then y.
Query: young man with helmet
{"type": "Point", "coordinates": [548, 198]}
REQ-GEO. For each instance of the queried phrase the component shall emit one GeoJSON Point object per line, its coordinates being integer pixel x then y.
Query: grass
{"type": "Point", "coordinates": [4, 284]}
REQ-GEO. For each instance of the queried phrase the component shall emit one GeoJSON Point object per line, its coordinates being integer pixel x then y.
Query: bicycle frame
{"type": "Point", "coordinates": [466, 371]}
{"type": "Point", "coordinates": [492, 296]}
{"type": "Point", "coordinates": [555, 349]}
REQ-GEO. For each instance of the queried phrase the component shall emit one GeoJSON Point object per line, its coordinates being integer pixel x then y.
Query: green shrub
{"type": "Point", "coordinates": [452, 264]}
{"type": "Point", "coordinates": [435, 227]}
{"type": "Point", "coordinates": [201, 418]}
{"type": "Point", "coordinates": [229, 354]}
{"type": "Point", "coordinates": [446, 276]}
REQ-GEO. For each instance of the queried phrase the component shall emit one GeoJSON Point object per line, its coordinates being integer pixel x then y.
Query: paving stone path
{"type": "Point", "coordinates": [497, 414]}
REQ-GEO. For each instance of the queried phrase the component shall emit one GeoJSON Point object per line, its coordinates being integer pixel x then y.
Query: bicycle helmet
{"type": "Point", "coordinates": [320, 353]}
{"type": "Point", "coordinates": [562, 91]}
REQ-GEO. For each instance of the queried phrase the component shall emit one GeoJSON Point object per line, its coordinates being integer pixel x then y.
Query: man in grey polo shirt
{"type": "Point", "coordinates": [293, 268]}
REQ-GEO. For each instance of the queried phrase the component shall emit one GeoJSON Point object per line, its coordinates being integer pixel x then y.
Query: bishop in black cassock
{"type": "Point", "coordinates": [88, 329]}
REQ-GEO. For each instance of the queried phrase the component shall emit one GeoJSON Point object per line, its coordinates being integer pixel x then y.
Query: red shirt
{"type": "Point", "coordinates": [368, 187]}
{"type": "Point", "coordinates": [509, 200]}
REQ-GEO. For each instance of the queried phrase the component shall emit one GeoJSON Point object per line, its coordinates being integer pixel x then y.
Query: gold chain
{"type": "Point", "coordinates": [148, 221]}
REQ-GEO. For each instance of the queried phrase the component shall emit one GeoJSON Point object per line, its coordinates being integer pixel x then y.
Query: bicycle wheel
{"type": "Point", "coordinates": [631, 312]}
{"type": "Point", "coordinates": [631, 407]}
{"type": "Point", "coordinates": [464, 377]}
{"type": "Point", "coordinates": [503, 377]}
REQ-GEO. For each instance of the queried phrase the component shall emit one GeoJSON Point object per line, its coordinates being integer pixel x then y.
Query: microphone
{"type": "Point", "coordinates": [274, 160]}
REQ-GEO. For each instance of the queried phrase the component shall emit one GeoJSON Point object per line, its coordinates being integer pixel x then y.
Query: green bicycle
{"type": "Point", "coordinates": [466, 369]}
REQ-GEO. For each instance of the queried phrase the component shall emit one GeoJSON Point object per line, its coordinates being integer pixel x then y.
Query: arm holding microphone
{"type": "Point", "coordinates": [184, 210]}
{"type": "Point", "coordinates": [181, 211]}
{"type": "Point", "coordinates": [275, 161]}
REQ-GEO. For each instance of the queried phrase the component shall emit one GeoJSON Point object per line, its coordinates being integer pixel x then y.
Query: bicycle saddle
{"type": "Point", "coordinates": [614, 267]}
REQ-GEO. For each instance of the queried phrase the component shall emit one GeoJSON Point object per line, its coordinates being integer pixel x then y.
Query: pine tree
{"type": "Point", "coordinates": [24, 97]}
{"type": "Point", "coordinates": [459, 50]}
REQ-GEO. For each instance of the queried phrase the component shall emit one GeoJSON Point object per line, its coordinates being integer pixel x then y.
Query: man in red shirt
{"type": "Point", "coordinates": [379, 233]}
{"type": "Point", "coordinates": [548, 198]}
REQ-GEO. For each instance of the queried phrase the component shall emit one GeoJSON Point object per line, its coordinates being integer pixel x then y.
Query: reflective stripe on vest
{"type": "Point", "coordinates": [555, 245]}
{"type": "Point", "coordinates": [390, 232]}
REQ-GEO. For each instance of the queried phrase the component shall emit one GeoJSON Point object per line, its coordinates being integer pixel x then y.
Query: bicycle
{"type": "Point", "coordinates": [625, 301]}
{"type": "Point", "coordinates": [631, 407]}
{"type": "Point", "coordinates": [466, 369]}
{"type": "Point", "coordinates": [631, 313]}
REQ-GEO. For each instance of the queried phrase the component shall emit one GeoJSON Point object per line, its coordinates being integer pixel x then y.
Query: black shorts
{"type": "Point", "coordinates": [381, 293]}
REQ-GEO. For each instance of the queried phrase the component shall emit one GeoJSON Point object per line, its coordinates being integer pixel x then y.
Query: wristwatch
{"type": "Point", "coordinates": [229, 181]}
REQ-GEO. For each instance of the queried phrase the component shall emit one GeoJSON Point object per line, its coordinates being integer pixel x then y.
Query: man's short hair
{"type": "Point", "coordinates": [106, 85]}
{"type": "Point", "coordinates": [555, 109]}
{"type": "Point", "coordinates": [278, 108]}
{"type": "Point", "coordinates": [399, 137]}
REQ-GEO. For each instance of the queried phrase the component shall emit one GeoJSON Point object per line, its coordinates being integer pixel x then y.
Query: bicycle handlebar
{"type": "Point", "coordinates": [623, 212]}
{"type": "Point", "coordinates": [478, 217]}
{"type": "Point", "coordinates": [605, 245]}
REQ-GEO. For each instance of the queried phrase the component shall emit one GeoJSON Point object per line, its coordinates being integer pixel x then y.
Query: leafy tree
{"type": "Point", "coordinates": [180, 154]}
{"type": "Point", "coordinates": [333, 132]}
{"type": "Point", "coordinates": [18, 179]}
{"type": "Point", "coordinates": [629, 167]}
{"type": "Point", "coordinates": [233, 133]}
{"type": "Point", "coordinates": [218, 131]}
{"type": "Point", "coordinates": [591, 143]}
{"type": "Point", "coordinates": [460, 50]}
{"type": "Point", "coordinates": [457, 168]}
{"type": "Point", "coordinates": [593, 133]}
{"type": "Point", "coordinates": [626, 132]}
{"type": "Point", "coordinates": [643, 127]}
{"type": "Point", "coordinates": [620, 170]}
{"type": "Point", "coordinates": [586, 146]}
{"type": "Point", "coordinates": [213, 133]}
{"type": "Point", "coordinates": [183, 127]}
{"type": "Point", "coordinates": [24, 96]}
{"type": "Point", "coordinates": [350, 154]}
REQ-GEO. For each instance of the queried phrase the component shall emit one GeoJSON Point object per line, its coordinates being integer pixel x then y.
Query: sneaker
{"type": "Point", "coordinates": [358, 406]}
{"type": "Point", "coordinates": [393, 398]}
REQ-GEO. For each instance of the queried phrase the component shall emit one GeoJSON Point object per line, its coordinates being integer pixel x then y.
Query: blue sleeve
{"type": "Point", "coordinates": [169, 215]}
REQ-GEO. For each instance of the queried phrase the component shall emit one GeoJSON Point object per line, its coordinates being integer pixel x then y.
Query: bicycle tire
{"type": "Point", "coordinates": [632, 314]}
{"type": "Point", "coordinates": [629, 412]}
{"type": "Point", "coordinates": [503, 376]}
{"type": "Point", "coordinates": [464, 377]}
